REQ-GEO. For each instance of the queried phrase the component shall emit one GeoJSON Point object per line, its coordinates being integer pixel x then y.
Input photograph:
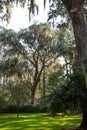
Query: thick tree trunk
{"type": "Point", "coordinates": [84, 121]}
{"type": "Point", "coordinates": [75, 10]}
{"type": "Point", "coordinates": [84, 110]}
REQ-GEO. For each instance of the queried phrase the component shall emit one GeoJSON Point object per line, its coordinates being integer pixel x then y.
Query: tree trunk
{"type": "Point", "coordinates": [33, 90]}
{"type": "Point", "coordinates": [84, 110]}
{"type": "Point", "coordinates": [66, 68]}
{"type": "Point", "coordinates": [84, 122]}
{"type": "Point", "coordinates": [75, 10]}
{"type": "Point", "coordinates": [18, 107]}
{"type": "Point", "coordinates": [44, 83]}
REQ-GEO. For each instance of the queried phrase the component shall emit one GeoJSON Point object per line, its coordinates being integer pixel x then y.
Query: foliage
{"type": "Point", "coordinates": [58, 11]}
{"type": "Point", "coordinates": [76, 13]}
{"type": "Point", "coordinates": [7, 5]}
{"type": "Point", "coordinates": [56, 77]}
{"type": "Point", "coordinates": [58, 15]}
{"type": "Point", "coordinates": [67, 97]}
{"type": "Point", "coordinates": [30, 51]}
{"type": "Point", "coordinates": [18, 93]}
{"type": "Point", "coordinates": [23, 109]}
{"type": "Point", "coordinates": [2, 102]}
{"type": "Point", "coordinates": [40, 41]}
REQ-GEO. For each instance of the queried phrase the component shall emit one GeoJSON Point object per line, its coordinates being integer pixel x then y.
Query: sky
{"type": "Point", "coordinates": [20, 16]}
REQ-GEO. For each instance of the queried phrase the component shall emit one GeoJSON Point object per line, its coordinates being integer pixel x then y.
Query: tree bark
{"type": "Point", "coordinates": [36, 80]}
{"type": "Point", "coordinates": [84, 110]}
{"type": "Point", "coordinates": [33, 90]}
{"type": "Point", "coordinates": [44, 83]}
{"type": "Point", "coordinates": [76, 13]}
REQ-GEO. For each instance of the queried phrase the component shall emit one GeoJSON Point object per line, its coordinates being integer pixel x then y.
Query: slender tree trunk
{"type": "Point", "coordinates": [18, 107]}
{"type": "Point", "coordinates": [66, 67]}
{"type": "Point", "coordinates": [75, 10]}
{"type": "Point", "coordinates": [33, 90]}
{"type": "Point", "coordinates": [44, 83]}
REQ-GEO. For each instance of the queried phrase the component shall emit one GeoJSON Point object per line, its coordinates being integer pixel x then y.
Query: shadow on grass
{"type": "Point", "coordinates": [37, 122]}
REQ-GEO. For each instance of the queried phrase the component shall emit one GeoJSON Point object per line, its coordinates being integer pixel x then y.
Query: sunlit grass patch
{"type": "Point", "coordinates": [37, 122]}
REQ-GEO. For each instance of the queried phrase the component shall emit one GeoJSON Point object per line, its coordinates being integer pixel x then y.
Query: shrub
{"type": "Point", "coordinates": [12, 109]}
{"type": "Point", "coordinates": [23, 109]}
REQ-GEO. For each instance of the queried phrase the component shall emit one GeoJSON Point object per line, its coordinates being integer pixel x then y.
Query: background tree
{"type": "Point", "coordinates": [56, 76]}
{"type": "Point", "coordinates": [18, 93]}
{"type": "Point", "coordinates": [41, 45]}
{"type": "Point", "coordinates": [30, 52]}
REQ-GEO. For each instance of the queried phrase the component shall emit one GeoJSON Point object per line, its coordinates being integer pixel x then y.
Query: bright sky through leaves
{"type": "Point", "coordinates": [20, 16]}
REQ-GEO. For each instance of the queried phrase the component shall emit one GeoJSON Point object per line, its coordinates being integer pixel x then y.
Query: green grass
{"type": "Point", "coordinates": [37, 122]}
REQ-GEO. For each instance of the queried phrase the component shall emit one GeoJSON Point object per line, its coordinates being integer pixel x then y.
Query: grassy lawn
{"type": "Point", "coordinates": [37, 122]}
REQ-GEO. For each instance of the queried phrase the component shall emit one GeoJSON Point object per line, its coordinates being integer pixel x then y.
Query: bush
{"type": "Point", "coordinates": [29, 109]}
{"type": "Point", "coordinates": [2, 103]}
{"type": "Point", "coordinates": [23, 109]}
{"type": "Point", "coordinates": [12, 109]}
{"type": "Point", "coordinates": [67, 97]}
